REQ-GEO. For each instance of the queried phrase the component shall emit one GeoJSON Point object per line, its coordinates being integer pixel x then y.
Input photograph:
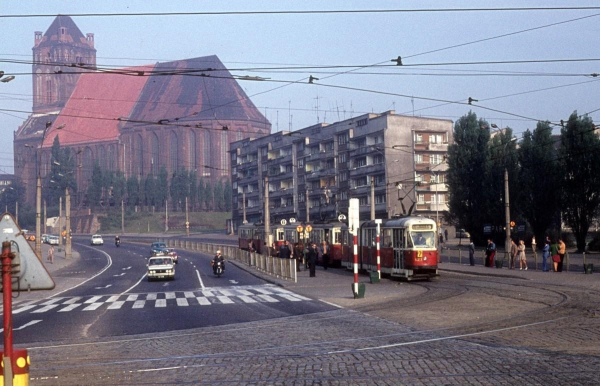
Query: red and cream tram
{"type": "Point", "coordinates": [408, 247]}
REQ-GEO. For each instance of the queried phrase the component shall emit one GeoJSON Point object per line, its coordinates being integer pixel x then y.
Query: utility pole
{"type": "Point", "coordinates": [122, 217]}
{"type": "Point", "coordinates": [45, 218]}
{"type": "Point", "coordinates": [267, 217]}
{"type": "Point", "coordinates": [17, 211]}
{"type": "Point", "coordinates": [38, 215]}
{"type": "Point", "coordinates": [507, 243]}
{"type": "Point", "coordinates": [166, 216]}
{"type": "Point", "coordinates": [307, 208]}
{"type": "Point", "coordinates": [68, 223]}
{"type": "Point", "coordinates": [60, 221]}
{"type": "Point", "coordinates": [187, 218]}
{"type": "Point", "coordinates": [244, 207]}
{"type": "Point", "coordinates": [372, 198]}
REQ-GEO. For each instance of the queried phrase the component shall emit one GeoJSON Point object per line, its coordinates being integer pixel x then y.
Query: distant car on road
{"type": "Point", "coordinates": [97, 240]}
{"type": "Point", "coordinates": [171, 252]}
{"type": "Point", "coordinates": [462, 234]}
{"type": "Point", "coordinates": [52, 240]}
{"type": "Point", "coordinates": [157, 246]}
{"type": "Point", "coordinates": [45, 238]}
{"type": "Point", "coordinates": [161, 267]}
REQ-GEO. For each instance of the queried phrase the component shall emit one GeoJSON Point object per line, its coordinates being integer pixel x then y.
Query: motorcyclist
{"type": "Point", "coordinates": [218, 258]}
{"type": "Point", "coordinates": [117, 240]}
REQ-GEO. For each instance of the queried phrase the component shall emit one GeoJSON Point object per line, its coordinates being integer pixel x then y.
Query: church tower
{"type": "Point", "coordinates": [59, 56]}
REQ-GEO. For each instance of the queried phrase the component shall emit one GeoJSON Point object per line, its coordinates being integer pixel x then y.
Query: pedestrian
{"type": "Point", "coordinates": [51, 254]}
{"type": "Point", "coordinates": [522, 256]}
{"type": "Point", "coordinates": [273, 250]}
{"type": "Point", "coordinates": [545, 254]}
{"type": "Point", "coordinates": [490, 253]}
{"type": "Point", "coordinates": [299, 253]}
{"type": "Point", "coordinates": [554, 254]}
{"type": "Point", "coordinates": [562, 249]}
{"type": "Point", "coordinates": [446, 234]}
{"type": "Point", "coordinates": [325, 254]}
{"type": "Point", "coordinates": [312, 259]}
{"type": "Point", "coordinates": [251, 246]}
{"type": "Point", "coordinates": [513, 254]}
{"type": "Point", "coordinates": [471, 252]}
{"type": "Point", "coordinates": [284, 251]}
{"type": "Point", "coordinates": [441, 240]}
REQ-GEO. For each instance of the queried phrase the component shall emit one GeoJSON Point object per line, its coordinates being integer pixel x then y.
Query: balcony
{"type": "Point", "coordinates": [368, 169]}
{"type": "Point", "coordinates": [281, 210]}
{"type": "Point", "coordinates": [438, 147]}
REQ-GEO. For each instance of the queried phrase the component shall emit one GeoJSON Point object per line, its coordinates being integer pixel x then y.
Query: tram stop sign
{"type": "Point", "coordinates": [30, 274]}
{"type": "Point", "coordinates": [309, 228]}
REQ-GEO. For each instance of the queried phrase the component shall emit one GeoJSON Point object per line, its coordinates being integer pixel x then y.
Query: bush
{"type": "Point", "coordinates": [594, 245]}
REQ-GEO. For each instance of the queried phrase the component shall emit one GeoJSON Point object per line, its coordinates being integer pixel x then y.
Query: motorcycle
{"type": "Point", "coordinates": [118, 243]}
{"type": "Point", "coordinates": [218, 268]}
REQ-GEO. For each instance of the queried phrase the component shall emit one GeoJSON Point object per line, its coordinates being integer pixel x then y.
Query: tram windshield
{"type": "Point", "coordinates": [423, 239]}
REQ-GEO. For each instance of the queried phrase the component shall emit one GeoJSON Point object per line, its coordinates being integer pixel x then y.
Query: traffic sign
{"type": "Point", "coordinates": [341, 217]}
{"type": "Point", "coordinates": [309, 228]}
{"type": "Point", "coordinates": [283, 221]}
{"type": "Point", "coordinates": [292, 220]}
{"type": "Point", "coordinates": [512, 223]}
{"type": "Point", "coordinates": [31, 275]}
{"type": "Point", "coordinates": [299, 228]}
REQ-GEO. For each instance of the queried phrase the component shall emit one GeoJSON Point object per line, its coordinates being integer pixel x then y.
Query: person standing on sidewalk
{"type": "Point", "coordinates": [312, 258]}
{"type": "Point", "coordinates": [51, 254]}
{"type": "Point", "coordinates": [490, 253]}
{"type": "Point", "coordinates": [513, 254]}
{"type": "Point", "coordinates": [562, 249]}
{"type": "Point", "coordinates": [325, 254]}
{"type": "Point", "coordinates": [471, 253]}
{"type": "Point", "coordinates": [522, 256]}
{"type": "Point", "coordinates": [284, 251]}
{"type": "Point", "coordinates": [299, 253]}
{"type": "Point", "coordinates": [545, 254]}
{"type": "Point", "coordinates": [554, 254]}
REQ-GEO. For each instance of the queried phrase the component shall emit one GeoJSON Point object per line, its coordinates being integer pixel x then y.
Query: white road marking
{"type": "Point", "coordinates": [182, 302]}
{"type": "Point", "coordinates": [51, 301]}
{"type": "Point", "coordinates": [188, 294]}
{"type": "Point", "coordinates": [116, 305]}
{"type": "Point", "coordinates": [44, 309]}
{"type": "Point", "coordinates": [92, 299]}
{"type": "Point", "coordinates": [225, 300]}
{"type": "Point", "coordinates": [225, 292]}
{"type": "Point", "coordinates": [268, 298]}
{"type": "Point", "coordinates": [119, 274]}
{"type": "Point", "coordinates": [22, 309]}
{"type": "Point", "coordinates": [23, 326]}
{"type": "Point", "coordinates": [113, 298]}
{"type": "Point", "coordinates": [131, 298]}
{"type": "Point", "coordinates": [160, 303]}
{"type": "Point", "coordinates": [106, 286]}
{"type": "Point", "coordinates": [200, 279]}
{"type": "Point", "coordinates": [70, 307]}
{"type": "Point", "coordinates": [233, 282]}
{"type": "Point", "coordinates": [151, 297]}
{"type": "Point", "coordinates": [203, 301]}
{"type": "Point", "coordinates": [73, 300]}
{"type": "Point", "coordinates": [244, 292]}
{"type": "Point", "coordinates": [92, 306]}
{"type": "Point", "coordinates": [247, 299]}
{"type": "Point", "coordinates": [125, 269]}
{"type": "Point", "coordinates": [289, 297]}
{"type": "Point", "coordinates": [264, 291]}
{"type": "Point", "coordinates": [139, 304]}
{"type": "Point", "coordinates": [170, 295]}
{"type": "Point", "coordinates": [331, 304]}
{"type": "Point", "coordinates": [135, 285]}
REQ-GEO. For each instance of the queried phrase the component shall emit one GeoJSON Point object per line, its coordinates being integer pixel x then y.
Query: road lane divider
{"type": "Point", "coordinates": [200, 279]}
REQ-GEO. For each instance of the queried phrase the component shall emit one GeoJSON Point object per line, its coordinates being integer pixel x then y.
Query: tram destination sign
{"type": "Point", "coordinates": [422, 227]}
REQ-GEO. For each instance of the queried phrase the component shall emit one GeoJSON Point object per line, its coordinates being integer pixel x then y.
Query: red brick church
{"type": "Point", "coordinates": [180, 114]}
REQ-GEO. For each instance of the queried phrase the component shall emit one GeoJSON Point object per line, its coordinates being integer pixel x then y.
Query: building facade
{"type": "Point", "coordinates": [394, 164]}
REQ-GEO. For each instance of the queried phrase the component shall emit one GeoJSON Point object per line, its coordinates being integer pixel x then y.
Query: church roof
{"type": "Point", "coordinates": [196, 89]}
{"type": "Point", "coordinates": [93, 110]}
{"type": "Point", "coordinates": [73, 33]}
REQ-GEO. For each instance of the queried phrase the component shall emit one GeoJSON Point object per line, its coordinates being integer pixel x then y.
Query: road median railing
{"type": "Point", "coordinates": [274, 266]}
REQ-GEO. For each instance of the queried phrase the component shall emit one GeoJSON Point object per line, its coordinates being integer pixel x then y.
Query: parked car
{"type": "Point", "coordinates": [171, 252]}
{"type": "Point", "coordinates": [45, 238]}
{"type": "Point", "coordinates": [161, 267]}
{"type": "Point", "coordinates": [97, 240]}
{"type": "Point", "coordinates": [462, 234]}
{"type": "Point", "coordinates": [52, 240]}
{"type": "Point", "coordinates": [157, 246]}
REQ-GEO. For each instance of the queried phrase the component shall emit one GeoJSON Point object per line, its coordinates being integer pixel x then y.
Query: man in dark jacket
{"type": "Point", "coordinates": [284, 251]}
{"type": "Point", "coordinates": [312, 258]}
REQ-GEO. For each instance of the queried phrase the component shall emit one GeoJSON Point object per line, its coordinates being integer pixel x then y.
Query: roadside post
{"type": "Point", "coordinates": [378, 240]}
{"type": "Point", "coordinates": [353, 223]}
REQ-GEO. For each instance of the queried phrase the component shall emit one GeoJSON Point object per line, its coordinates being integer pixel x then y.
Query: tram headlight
{"type": "Point", "coordinates": [425, 258]}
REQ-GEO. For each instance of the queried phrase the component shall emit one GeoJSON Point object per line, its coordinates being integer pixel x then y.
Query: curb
{"type": "Point", "coordinates": [254, 273]}
{"type": "Point", "coordinates": [481, 273]}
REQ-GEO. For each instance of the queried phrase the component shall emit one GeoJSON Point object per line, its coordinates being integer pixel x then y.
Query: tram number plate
{"type": "Point", "coordinates": [419, 255]}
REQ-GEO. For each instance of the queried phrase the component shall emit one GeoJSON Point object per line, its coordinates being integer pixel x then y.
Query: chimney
{"type": "Point", "coordinates": [38, 38]}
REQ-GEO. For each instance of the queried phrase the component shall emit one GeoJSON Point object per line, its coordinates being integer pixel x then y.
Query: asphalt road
{"type": "Point", "coordinates": [117, 298]}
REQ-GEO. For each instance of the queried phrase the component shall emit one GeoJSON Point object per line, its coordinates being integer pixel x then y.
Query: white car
{"type": "Point", "coordinates": [52, 240]}
{"type": "Point", "coordinates": [161, 267]}
{"type": "Point", "coordinates": [97, 240]}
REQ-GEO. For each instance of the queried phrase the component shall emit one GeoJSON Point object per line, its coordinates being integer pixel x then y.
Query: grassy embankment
{"type": "Point", "coordinates": [144, 222]}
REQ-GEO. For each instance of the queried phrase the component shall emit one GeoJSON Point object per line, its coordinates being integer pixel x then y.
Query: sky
{"type": "Point", "coordinates": [437, 77]}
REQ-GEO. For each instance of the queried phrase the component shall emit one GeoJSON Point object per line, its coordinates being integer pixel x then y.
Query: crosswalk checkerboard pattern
{"type": "Point", "coordinates": [203, 297]}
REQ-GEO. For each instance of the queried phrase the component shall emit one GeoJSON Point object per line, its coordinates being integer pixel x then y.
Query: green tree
{"type": "Point", "coordinates": [150, 190]}
{"type": "Point", "coordinates": [538, 179]}
{"type": "Point", "coordinates": [219, 198]}
{"type": "Point", "coordinates": [133, 191]}
{"type": "Point", "coordinates": [503, 157]}
{"type": "Point", "coordinates": [162, 186]}
{"type": "Point", "coordinates": [193, 189]}
{"type": "Point", "coordinates": [94, 191]}
{"type": "Point", "coordinates": [579, 160]}
{"type": "Point", "coordinates": [227, 195]}
{"type": "Point", "coordinates": [119, 188]}
{"type": "Point", "coordinates": [11, 194]}
{"type": "Point", "coordinates": [62, 173]}
{"type": "Point", "coordinates": [468, 166]}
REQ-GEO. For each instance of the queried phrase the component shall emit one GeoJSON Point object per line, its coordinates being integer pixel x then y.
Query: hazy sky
{"type": "Point", "coordinates": [540, 91]}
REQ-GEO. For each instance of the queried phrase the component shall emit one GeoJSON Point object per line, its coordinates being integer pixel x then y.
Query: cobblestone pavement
{"type": "Point", "coordinates": [466, 327]}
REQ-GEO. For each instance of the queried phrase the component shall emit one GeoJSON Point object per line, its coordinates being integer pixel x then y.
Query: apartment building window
{"type": "Point", "coordinates": [380, 199]}
{"type": "Point", "coordinates": [328, 146]}
{"type": "Point", "coordinates": [418, 177]}
{"type": "Point", "coordinates": [343, 138]}
{"type": "Point", "coordinates": [436, 138]}
{"type": "Point", "coordinates": [301, 197]}
{"type": "Point", "coordinates": [344, 196]}
{"type": "Point", "coordinates": [343, 157]}
{"type": "Point", "coordinates": [344, 176]}
{"type": "Point", "coordinates": [264, 150]}
{"type": "Point", "coordinates": [420, 198]}
{"type": "Point", "coordinates": [380, 180]}
{"type": "Point", "coordinates": [378, 159]}
{"type": "Point", "coordinates": [378, 139]}
{"type": "Point", "coordinates": [300, 146]}
{"type": "Point", "coordinates": [418, 158]}
{"type": "Point", "coordinates": [359, 162]}
{"type": "Point", "coordinates": [435, 159]}
{"type": "Point", "coordinates": [314, 149]}
{"type": "Point", "coordinates": [362, 122]}
{"type": "Point", "coordinates": [330, 164]}
{"type": "Point", "coordinates": [265, 168]}
{"type": "Point", "coordinates": [289, 168]}
{"type": "Point", "coordinates": [363, 200]}
{"type": "Point", "coordinates": [360, 181]}
{"type": "Point", "coordinates": [418, 138]}
{"type": "Point", "coordinates": [301, 163]}
{"type": "Point", "coordinates": [361, 142]}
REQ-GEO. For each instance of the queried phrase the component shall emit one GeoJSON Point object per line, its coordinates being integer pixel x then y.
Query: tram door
{"type": "Point", "coordinates": [398, 243]}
